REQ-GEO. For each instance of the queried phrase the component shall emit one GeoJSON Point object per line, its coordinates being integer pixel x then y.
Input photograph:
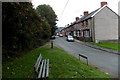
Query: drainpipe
{"type": "Point", "coordinates": [94, 27]}
{"type": "Point", "coordinates": [93, 22]}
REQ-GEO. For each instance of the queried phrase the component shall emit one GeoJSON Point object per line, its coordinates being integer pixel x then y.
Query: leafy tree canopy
{"type": "Point", "coordinates": [23, 28]}
{"type": "Point", "coordinates": [48, 13]}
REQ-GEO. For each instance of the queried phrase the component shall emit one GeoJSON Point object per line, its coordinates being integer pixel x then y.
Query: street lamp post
{"type": "Point", "coordinates": [51, 44]}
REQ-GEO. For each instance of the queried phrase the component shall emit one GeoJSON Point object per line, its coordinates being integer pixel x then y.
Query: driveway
{"type": "Point", "coordinates": [105, 61]}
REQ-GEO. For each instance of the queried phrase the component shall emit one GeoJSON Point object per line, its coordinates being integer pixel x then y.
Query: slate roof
{"type": "Point", "coordinates": [93, 13]}
{"type": "Point", "coordinates": [87, 16]}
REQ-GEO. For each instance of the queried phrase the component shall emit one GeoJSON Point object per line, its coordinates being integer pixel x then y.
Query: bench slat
{"type": "Point", "coordinates": [44, 67]}
{"type": "Point", "coordinates": [37, 61]}
{"type": "Point", "coordinates": [38, 64]}
{"type": "Point", "coordinates": [41, 69]}
{"type": "Point", "coordinates": [47, 71]}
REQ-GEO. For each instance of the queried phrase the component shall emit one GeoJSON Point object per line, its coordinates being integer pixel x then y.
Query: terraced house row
{"type": "Point", "coordinates": [99, 25]}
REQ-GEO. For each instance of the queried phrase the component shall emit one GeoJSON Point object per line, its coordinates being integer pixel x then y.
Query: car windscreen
{"type": "Point", "coordinates": [70, 37]}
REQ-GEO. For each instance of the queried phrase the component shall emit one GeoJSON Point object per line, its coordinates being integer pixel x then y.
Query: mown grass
{"type": "Point", "coordinates": [62, 65]}
{"type": "Point", "coordinates": [113, 46]}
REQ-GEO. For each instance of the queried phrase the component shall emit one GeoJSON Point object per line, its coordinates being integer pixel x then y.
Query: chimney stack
{"type": "Point", "coordinates": [77, 18]}
{"type": "Point", "coordinates": [85, 13]}
{"type": "Point", "coordinates": [103, 3]}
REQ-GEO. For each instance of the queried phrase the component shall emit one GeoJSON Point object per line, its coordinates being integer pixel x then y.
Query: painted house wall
{"type": "Point", "coordinates": [90, 22]}
{"type": "Point", "coordinates": [106, 25]}
{"type": "Point", "coordinates": [92, 29]}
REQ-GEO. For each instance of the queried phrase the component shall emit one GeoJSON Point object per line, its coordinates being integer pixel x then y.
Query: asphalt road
{"type": "Point", "coordinates": [105, 61]}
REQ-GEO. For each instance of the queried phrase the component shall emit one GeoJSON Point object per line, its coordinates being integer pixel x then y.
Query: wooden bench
{"type": "Point", "coordinates": [84, 57]}
{"type": "Point", "coordinates": [41, 68]}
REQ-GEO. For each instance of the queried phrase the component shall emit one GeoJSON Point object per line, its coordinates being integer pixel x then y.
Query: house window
{"type": "Point", "coordinates": [86, 33]}
{"type": "Point", "coordinates": [78, 33]}
{"type": "Point", "coordinates": [74, 33]}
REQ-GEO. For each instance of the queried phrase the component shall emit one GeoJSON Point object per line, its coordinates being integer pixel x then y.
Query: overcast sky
{"type": "Point", "coordinates": [74, 8]}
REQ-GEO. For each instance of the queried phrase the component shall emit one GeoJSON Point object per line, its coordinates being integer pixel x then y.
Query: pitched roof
{"type": "Point", "coordinates": [98, 10]}
{"type": "Point", "coordinates": [92, 14]}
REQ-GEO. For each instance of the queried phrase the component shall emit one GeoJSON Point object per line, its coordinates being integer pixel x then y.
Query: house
{"type": "Point", "coordinates": [99, 25]}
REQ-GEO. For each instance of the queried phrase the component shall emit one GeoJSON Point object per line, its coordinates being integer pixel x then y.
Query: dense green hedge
{"type": "Point", "coordinates": [23, 28]}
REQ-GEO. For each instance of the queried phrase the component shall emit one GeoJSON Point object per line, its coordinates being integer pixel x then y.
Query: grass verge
{"type": "Point", "coordinates": [113, 46]}
{"type": "Point", "coordinates": [62, 65]}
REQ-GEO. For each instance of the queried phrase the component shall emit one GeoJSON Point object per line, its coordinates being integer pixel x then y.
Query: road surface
{"type": "Point", "coordinates": [105, 61]}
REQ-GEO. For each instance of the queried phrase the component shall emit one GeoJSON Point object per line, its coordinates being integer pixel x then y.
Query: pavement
{"type": "Point", "coordinates": [98, 47]}
{"type": "Point", "coordinates": [103, 60]}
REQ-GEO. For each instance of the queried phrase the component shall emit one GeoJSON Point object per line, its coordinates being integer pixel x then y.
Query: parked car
{"type": "Point", "coordinates": [70, 38]}
{"type": "Point", "coordinates": [53, 37]}
{"type": "Point", "coordinates": [61, 35]}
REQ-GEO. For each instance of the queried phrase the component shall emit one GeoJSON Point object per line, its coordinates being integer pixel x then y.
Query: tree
{"type": "Point", "coordinates": [48, 13]}
{"type": "Point", "coordinates": [23, 29]}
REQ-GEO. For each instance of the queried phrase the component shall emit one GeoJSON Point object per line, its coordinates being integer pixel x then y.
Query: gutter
{"type": "Point", "coordinates": [100, 48]}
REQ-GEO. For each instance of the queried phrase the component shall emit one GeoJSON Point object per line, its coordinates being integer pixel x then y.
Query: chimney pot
{"type": "Point", "coordinates": [85, 13]}
{"type": "Point", "coordinates": [103, 3]}
{"type": "Point", "coordinates": [77, 18]}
